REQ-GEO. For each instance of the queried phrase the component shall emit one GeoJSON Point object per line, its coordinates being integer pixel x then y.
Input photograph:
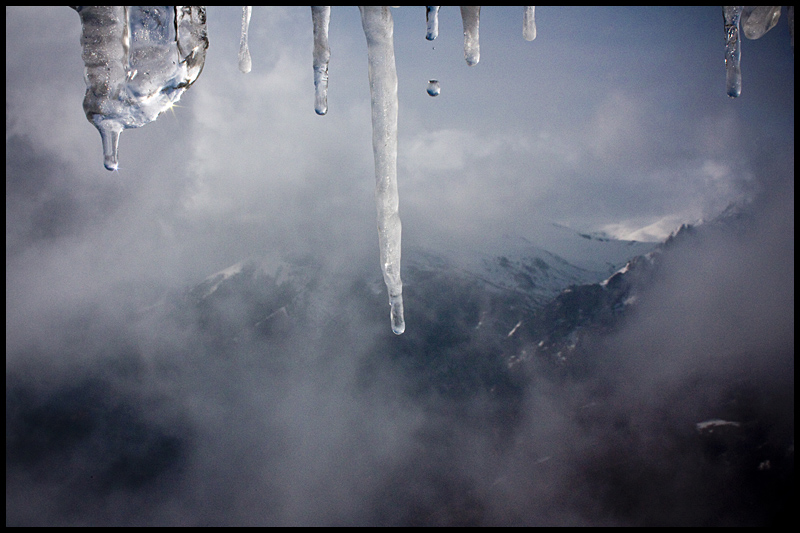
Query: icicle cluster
{"type": "Point", "coordinates": [139, 60]}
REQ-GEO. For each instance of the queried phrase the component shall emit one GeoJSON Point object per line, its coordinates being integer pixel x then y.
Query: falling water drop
{"type": "Point", "coordinates": [733, 50]}
{"type": "Point", "coordinates": [433, 87]}
{"type": "Point", "coordinates": [432, 17]}
{"type": "Point", "coordinates": [245, 63]}
{"type": "Point", "coordinates": [321, 18]}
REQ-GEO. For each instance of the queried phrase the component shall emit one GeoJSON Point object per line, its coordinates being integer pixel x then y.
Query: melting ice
{"type": "Point", "coordinates": [138, 62]}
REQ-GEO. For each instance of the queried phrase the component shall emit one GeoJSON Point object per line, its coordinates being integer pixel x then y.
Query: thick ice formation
{"type": "Point", "coordinates": [379, 29]}
{"type": "Point", "coordinates": [139, 60]}
{"type": "Point", "coordinates": [758, 20]}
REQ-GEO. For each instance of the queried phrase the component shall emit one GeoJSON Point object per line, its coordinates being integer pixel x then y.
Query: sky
{"type": "Point", "coordinates": [613, 120]}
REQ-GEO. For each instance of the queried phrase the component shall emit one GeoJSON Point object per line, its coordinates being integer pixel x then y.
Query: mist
{"type": "Point", "coordinates": [130, 401]}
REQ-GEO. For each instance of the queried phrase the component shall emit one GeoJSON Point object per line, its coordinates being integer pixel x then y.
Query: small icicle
{"type": "Point", "coordinates": [758, 20]}
{"type": "Point", "coordinates": [528, 23]}
{"type": "Point", "coordinates": [109, 132]}
{"type": "Point", "coordinates": [245, 63]}
{"type": "Point", "coordinates": [379, 29]}
{"type": "Point", "coordinates": [321, 17]}
{"type": "Point", "coordinates": [433, 87]}
{"type": "Point", "coordinates": [733, 50]}
{"type": "Point", "coordinates": [432, 17]}
{"type": "Point", "coordinates": [470, 17]}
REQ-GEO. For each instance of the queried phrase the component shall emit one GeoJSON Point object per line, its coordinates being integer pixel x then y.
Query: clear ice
{"type": "Point", "coordinates": [379, 29]}
{"type": "Point", "coordinates": [470, 17]}
{"type": "Point", "coordinates": [528, 23]}
{"type": "Point", "coordinates": [245, 62]}
{"type": "Point", "coordinates": [138, 62]}
{"type": "Point", "coordinates": [758, 20]}
{"type": "Point", "coordinates": [321, 18]}
{"type": "Point", "coordinates": [432, 18]}
{"type": "Point", "coordinates": [733, 50]}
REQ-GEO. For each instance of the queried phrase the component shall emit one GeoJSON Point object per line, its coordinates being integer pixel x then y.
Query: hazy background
{"type": "Point", "coordinates": [611, 120]}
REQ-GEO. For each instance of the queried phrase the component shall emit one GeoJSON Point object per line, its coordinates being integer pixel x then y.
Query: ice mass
{"type": "Point", "coordinates": [140, 60]}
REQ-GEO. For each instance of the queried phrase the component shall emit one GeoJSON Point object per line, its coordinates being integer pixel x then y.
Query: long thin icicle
{"type": "Point", "coordinates": [245, 63]}
{"type": "Point", "coordinates": [321, 18]}
{"type": "Point", "coordinates": [529, 23]}
{"type": "Point", "coordinates": [470, 17]}
{"type": "Point", "coordinates": [379, 31]}
{"type": "Point", "coordinates": [733, 50]}
{"type": "Point", "coordinates": [432, 18]}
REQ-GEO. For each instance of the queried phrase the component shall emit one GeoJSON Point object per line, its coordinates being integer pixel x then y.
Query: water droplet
{"type": "Point", "coordinates": [433, 87]}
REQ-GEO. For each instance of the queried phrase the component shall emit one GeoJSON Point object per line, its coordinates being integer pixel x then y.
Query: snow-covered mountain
{"type": "Point", "coordinates": [509, 267]}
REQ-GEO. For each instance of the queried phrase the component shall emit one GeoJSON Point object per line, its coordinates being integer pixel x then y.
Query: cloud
{"type": "Point", "coordinates": [128, 405]}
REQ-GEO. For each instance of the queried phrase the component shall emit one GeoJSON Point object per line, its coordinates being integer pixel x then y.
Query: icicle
{"type": "Point", "coordinates": [733, 51]}
{"type": "Point", "coordinates": [138, 62]}
{"type": "Point", "coordinates": [379, 29]}
{"type": "Point", "coordinates": [321, 17]}
{"type": "Point", "coordinates": [758, 20]}
{"type": "Point", "coordinates": [528, 23]}
{"type": "Point", "coordinates": [470, 17]}
{"type": "Point", "coordinates": [432, 17]}
{"type": "Point", "coordinates": [245, 63]}
{"type": "Point", "coordinates": [433, 87]}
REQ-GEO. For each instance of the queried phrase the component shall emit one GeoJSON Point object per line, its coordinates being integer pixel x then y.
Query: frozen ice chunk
{"type": "Point", "coordinates": [758, 20]}
{"type": "Point", "coordinates": [138, 62]}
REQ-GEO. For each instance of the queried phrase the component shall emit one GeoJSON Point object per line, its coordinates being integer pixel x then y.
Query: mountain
{"type": "Point", "coordinates": [534, 385]}
{"type": "Point", "coordinates": [512, 269]}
